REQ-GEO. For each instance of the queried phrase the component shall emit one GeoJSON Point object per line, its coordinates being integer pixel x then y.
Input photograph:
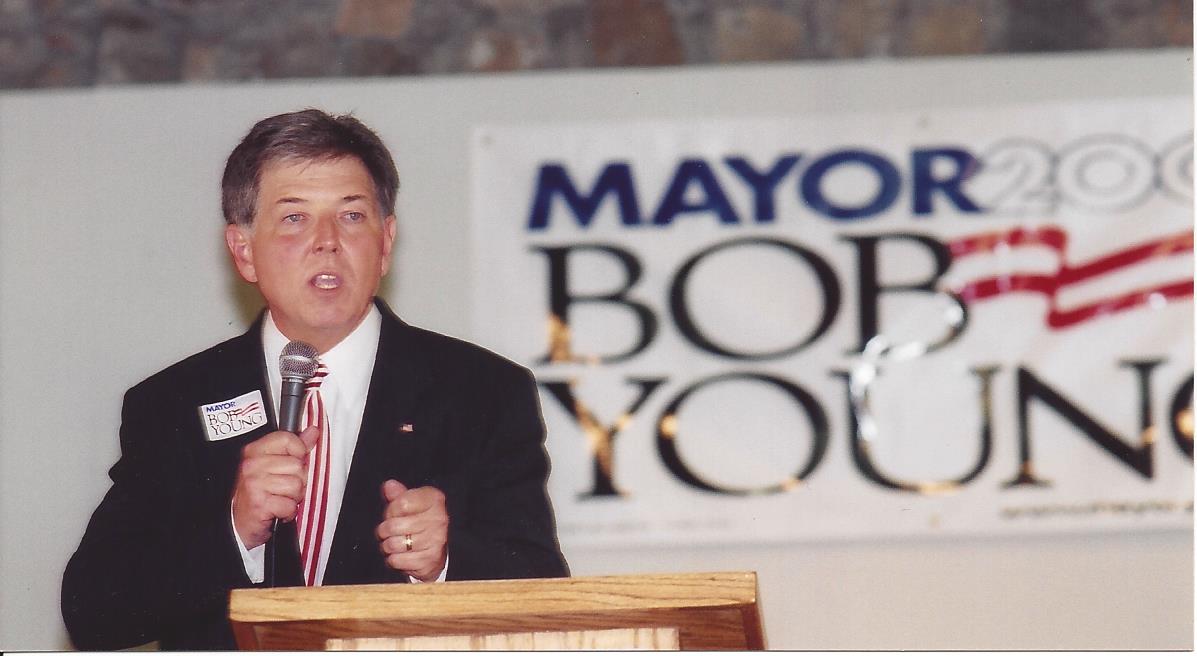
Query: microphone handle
{"type": "Point", "coordinates": [290, 409]}
{"type": "Point", "coordinates": [290, 405]}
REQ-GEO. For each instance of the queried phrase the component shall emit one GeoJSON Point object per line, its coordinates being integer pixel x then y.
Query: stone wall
{"type": "Point", "coordinates": [79, 43]}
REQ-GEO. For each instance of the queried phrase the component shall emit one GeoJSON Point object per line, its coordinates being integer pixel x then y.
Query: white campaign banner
{"type": "Point", "coordinates": [951, 322]}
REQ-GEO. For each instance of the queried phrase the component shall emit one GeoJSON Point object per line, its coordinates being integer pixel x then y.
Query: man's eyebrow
{"type": "Point", "coordinates": [346, 199]}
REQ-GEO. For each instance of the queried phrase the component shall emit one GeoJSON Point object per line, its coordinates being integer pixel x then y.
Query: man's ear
{"type": "Point", "coordinates": [389, 229]}
{"type": "Point", "coordinates": [238, 240]}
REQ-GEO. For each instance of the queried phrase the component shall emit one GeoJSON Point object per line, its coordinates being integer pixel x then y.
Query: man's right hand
{"type": "Point", "coordinates": [270, 483]}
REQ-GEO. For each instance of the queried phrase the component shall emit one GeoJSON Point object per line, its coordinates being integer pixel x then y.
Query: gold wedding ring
{"type": "Point", "coordinates": [407, 542]}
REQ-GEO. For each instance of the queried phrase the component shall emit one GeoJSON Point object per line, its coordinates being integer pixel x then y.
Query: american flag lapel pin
{"type": "Point", "coordinates": [406, 428]}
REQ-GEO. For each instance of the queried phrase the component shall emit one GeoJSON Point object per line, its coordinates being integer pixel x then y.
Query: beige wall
{"type": "Point", "coordinates": [111, 267]}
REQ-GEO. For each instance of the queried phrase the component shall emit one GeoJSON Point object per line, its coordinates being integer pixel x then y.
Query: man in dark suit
{"type": "Point", "coordinates": [424, 459]}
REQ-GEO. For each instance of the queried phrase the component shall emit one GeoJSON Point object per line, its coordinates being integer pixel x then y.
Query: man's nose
{"type": "Point", "coordinates": [328, 235]}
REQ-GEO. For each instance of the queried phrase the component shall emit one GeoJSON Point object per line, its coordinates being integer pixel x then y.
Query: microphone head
{"type": "Point", "coordinates": [298, 361]}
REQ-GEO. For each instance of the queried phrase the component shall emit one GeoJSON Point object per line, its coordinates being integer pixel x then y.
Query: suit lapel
{"type": "Point", "coordinates": [239, 367]}
{"type": "Point", "coordinates": [282, 564]}
{"type": "Point", "coordinates": [385, 449]}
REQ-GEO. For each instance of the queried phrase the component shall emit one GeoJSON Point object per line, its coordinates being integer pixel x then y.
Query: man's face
{"type": "Point", "coordinates": [317, 248]}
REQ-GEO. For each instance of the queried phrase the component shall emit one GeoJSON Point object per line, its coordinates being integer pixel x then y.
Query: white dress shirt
{"type": "Point", "coordinates": [350, 364]}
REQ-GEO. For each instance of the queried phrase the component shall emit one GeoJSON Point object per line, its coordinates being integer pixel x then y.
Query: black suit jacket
{"type": "Point", "coordinates": [159, 557]}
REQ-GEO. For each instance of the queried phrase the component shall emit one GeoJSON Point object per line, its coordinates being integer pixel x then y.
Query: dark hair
{"type": "Point", "coordinates": [307, 135]}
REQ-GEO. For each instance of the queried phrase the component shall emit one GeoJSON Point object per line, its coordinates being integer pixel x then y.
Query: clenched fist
{"type": "Point", "coordinates": [414, 532]}
{"type": "Point", "coordinates": [270, 483]}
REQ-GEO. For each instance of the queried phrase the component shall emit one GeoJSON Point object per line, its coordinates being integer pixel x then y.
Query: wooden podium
{"type": "Point", "coordinates": [658, 611]}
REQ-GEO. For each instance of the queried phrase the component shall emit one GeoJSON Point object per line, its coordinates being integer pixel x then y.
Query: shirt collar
{"type": "Point", "coordinates": [350, 362]}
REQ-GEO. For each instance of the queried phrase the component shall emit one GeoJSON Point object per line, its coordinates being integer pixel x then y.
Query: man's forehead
{"type": "Point", "coordinates": [346, 175]}
{"type": "Point", "coordinates": [299, 164]}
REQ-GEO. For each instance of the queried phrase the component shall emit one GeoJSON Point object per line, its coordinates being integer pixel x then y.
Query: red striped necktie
{"type": "Point", "coordinates": [312, 511]}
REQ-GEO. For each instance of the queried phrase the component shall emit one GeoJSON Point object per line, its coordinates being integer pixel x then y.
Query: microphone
{"type": "Point", "coordinates": [296, 364]}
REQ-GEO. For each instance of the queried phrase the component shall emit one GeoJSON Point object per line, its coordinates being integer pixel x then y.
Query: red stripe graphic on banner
{"type": "Point", "coordinates": [1056, 239]}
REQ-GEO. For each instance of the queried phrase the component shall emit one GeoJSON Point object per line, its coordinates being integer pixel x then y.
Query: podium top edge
{"type": "Point", "coordinates": [584, 594]}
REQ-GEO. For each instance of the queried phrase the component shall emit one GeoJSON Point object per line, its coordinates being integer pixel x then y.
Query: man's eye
{"type": "Point", "coordinates": [293, 218]}
{"type": "Point", "coordinates": [355, 216]}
